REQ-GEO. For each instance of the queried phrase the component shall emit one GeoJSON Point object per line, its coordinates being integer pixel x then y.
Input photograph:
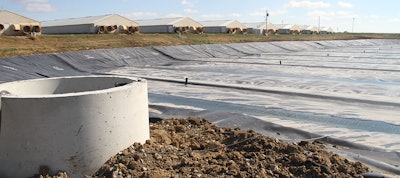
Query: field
{"type": "Point", "coordinates": [14, 46]}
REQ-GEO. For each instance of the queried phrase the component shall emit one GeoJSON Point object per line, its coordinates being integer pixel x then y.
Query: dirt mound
{"type": "Point", "coordinates": [193, 147]}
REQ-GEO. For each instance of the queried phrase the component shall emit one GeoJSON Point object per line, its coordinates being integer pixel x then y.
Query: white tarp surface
{"type": "Point", "coordinates": [346, 92]}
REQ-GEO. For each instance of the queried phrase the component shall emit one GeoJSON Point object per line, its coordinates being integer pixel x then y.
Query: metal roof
{"type": "Point", "coordinates": [76, 21]}
{"type": "Point", "coordinates": [223, 23]}
{"type": "Point", "coordinates": [328, 29]}
{"type": "Point", "coordinates": [270, 26]}
{"type": "Point", "coordinates": [161, 21]}
{"type": "Point", "coordinates": [260, 25]}
{"type": "Point", "coordinates": [308, 27]}
{"type": "Point", "coordinates": [216, 23]}
{"type": "Point", "coordinates": [255, 25]}
{"type": "Point", "coordinates": [283, 26]}
{"type": "Point", "coordinates": [8, 17]}
{"type": "Point", "coordinates": [178, 21]}
{"type": "Point", "coordinates": [287, 26]}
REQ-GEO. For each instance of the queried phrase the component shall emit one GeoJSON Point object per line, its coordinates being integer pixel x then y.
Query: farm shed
{"type": "Point", "coordinates": [259, 28]}
{"type": "Point", "coordinates": [224, 26]}
{"type": "Point", "coordinates": [288, 29]}
{"type": "Point", "coordinates": [13, 24]}
{"type": "Point", "coordinates": [309, 29]}
{"type": "Point", "coordinates": [113, 23]}
{"type": "Point", "coordinates": [326, 30]}
{"type": "Point", "coordinates": [170, 25]}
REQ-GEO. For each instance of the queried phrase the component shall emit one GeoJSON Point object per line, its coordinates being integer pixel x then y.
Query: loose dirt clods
{"type": "Point", "coordinates": [194, 147]}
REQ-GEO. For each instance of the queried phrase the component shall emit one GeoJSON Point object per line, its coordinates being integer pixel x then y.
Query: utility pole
{"type": "Point", "coordinates": [352, 26]}
{"type": "Point", "coordinates": [266, 22]}
{"type": "Point", "coordinates": [319, 24]}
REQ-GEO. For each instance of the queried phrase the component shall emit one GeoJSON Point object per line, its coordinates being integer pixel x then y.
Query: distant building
{"type": "Point", "coordinates": [326, 30]}
{"type": "Point", "coordinates": [308, 29]}
{"type": "Point", "coordinates": [259, 28]}
{"type": "Point", "coordinates": [170, 25]}
{"type": "Point", "coordinates": [288, 29]}
{"type": "Point", "coordinates": [224, 26]}
{"type": "Point", "coordinates": [13, 24]}
{"type": "Point", "coordinates": [113, 23]}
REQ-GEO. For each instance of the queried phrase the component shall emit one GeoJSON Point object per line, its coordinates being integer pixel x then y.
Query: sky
{"type": "Point", "coordinates": [381, 16]}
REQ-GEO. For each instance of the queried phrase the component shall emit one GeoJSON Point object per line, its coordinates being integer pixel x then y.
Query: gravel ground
{"type": "Point", "coordinates": [194, 147]}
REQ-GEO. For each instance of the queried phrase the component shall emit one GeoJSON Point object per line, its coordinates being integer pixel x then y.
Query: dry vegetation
{"type": "Point", "coordinates": [14, 46]}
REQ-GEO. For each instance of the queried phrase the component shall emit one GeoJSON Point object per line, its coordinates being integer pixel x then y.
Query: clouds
{"type": "Point", "coordinates": [190, 11]}
{"type": "Point", "coordinates": [396, 20]}
{"type": "Point", "coordinates": [141, 15]}
{"type": "Point", "coordinates": [346, 14]}
{"type": "Point", "coordinates": [307, 4]}
{"type": "Point", "coordinates": [321, 9]}
{"type": "Point", "coordinates": [189, 7]}
{"type": "Point", "coordinates": [332, 15]}
{"type": "Point", "coordinates": [181, 9]}
{"type": "Point", "coordinates": [187, 3]}
{"type": "Point", "coordinates": [220, 16]}
{"type": "Point", "coordinates": [258, 14]}
{"type": "Point", "coordinates": [262, 12]}
{"type": "Point", "coordinates": [317, 12]}
{"type": "Point", "coordinates": [324, 14]}
{"type": "Point", "coordinates": [211, 16]}
{"type": "Point", "coordinates": [41, 6]}
{"type": "Point", "coordinates": [315, 4]}
{"type": "Point", "coordinates": [31, 1]}
{"type": "Point", "coordinates": [345, 4]}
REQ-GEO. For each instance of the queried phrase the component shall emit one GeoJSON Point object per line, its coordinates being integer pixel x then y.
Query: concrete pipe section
{"type": "Point", "coordinates": [73, 124]}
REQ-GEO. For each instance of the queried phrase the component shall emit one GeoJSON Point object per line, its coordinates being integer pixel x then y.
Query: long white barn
{"type": "Point", "coordinates": [13, 24]}
{"type": "Point", "coordinates": [170, 25]}
{"type": "Point", "coordinates": [112, 23]}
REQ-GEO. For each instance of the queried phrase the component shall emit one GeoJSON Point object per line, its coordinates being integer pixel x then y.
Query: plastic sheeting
{"type": "Point", "coordinates": [355, 151]}
{"type": "Point", "coordinates": [95, 61]}
{"type": "Point", "coordinates": [160, 57]}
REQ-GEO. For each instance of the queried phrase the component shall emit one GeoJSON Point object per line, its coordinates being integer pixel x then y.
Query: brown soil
{"type": "Point", "coordinates": [193, 147]}
{"type": "Point", "coordinates": [24, 45]}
